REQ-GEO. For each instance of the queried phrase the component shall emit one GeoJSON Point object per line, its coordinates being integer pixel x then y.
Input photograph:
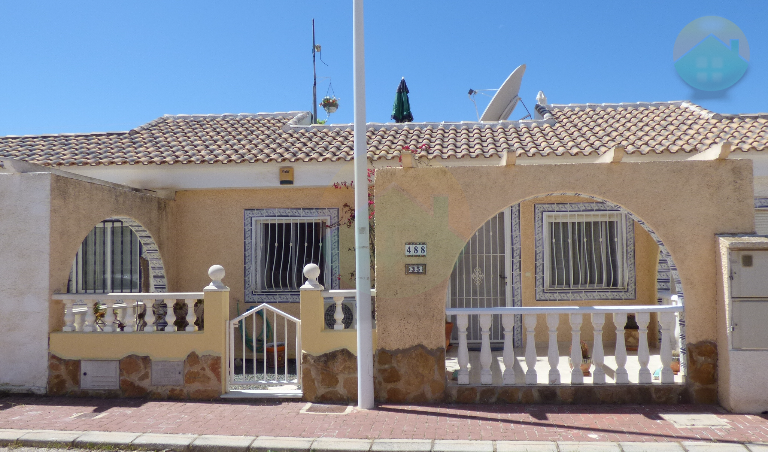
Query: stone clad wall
{"type": "Point", "coordinates": [202, 379]}
{"type": "Point", "coordinates": [330, 377]}
{"type": "Point", "coordinates": [416, 374]}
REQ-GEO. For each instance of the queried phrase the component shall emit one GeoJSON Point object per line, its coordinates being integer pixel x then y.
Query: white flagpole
{"type": "Point", "coordinates": [362, 251]}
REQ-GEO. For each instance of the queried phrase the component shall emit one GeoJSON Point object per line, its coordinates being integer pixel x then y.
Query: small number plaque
{"type": "Point", "coordinates": [416, 249]}
{"type": "Point", "coordinates": [415, 269]}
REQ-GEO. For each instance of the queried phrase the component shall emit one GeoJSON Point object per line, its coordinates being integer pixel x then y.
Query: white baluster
{"type": "Point", "coordinates": [338, 315]}
{"type": "Point", "coordinates": [508, 321]}
{"type": "Point", "coordinates": [79, 320]}
{"type": "Point", "coordinates": [552, 352]}
{"type": "Point", "coordinates": [90, 317]}
{"type": "Point", "coordinates": [119, 312]}
{"type": "Point", "coordinates": [191, 316]}
{"type": "Point", "coordinates": [530, 349]}
{"type": "Point", "coordinates": [170, 317]}
{"type": "Point", "coordinates": [462, 321]}
{"type": "Point", "coordinates": [485, 349]}
{"type": "Point", "coordinates": [577, 376]}
{"type": "Point", "coordinates": [667, 326]}
{"type": "Point", "coordinates": [69, 316]}
{"type": "Point", "coordinates": [130, 316]}
{"type": "Point", "coordinates": [598, 355]}
{"type": "Point", "coordinates": [622, 377]}
{"type": "Point", "coordinates": [149, 316]}
{"type": "Point", "coordinates": [109, 317]}
{"type": "Point", "coordinates": [643, 354]}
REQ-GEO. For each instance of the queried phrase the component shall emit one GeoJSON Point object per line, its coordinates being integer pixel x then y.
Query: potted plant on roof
{"type": "Point", "coordinates": [329, 104]}
{"type": "Point", "coordinates": [586, 360]}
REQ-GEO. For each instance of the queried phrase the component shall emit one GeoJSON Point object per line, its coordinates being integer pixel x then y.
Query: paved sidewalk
{"type": "Point", "coordinates": [36, 421]}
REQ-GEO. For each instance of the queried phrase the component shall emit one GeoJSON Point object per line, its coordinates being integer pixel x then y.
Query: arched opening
{"type": "Point", "coordinates": [563, 249]}
{"type": "Point", "coordinates": [117, 255]}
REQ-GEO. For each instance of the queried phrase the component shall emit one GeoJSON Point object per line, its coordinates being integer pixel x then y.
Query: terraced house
{"type": "Point", "coordinates": [626, 239]}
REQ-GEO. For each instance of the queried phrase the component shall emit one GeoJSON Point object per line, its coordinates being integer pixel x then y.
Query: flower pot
{"type": "Point", "coordinates": [269, 356]}
{"type": "Point", "coordinates": [330, 109]}
{"type": "Point", "coordinates": [448, 331]}
{"type": "Point", "coordinates": [631, 339]}
{"type": "Point", "coordinates": [585, 366]}
{"type": "Point", "coordinates": [675, 364]}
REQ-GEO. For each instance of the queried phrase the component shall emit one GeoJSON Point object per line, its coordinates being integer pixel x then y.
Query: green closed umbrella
{"type": "Point", "coordinates": [401, 111]}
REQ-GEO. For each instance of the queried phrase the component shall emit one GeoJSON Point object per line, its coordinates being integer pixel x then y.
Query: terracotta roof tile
{"type": "Point", "coordinates": [286, 137]}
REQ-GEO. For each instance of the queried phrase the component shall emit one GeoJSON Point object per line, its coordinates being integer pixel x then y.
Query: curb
{"type": "Point", "coordinates": [210, 443]}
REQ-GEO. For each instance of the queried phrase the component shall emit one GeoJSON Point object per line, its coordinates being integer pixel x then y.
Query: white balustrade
{"type": "Point", "coordinates": [598, 355]}
{"type": "Point", "coordinates": [80, 312]}
{"type": "Point", "coordinates": [667, 319]}
{"type": "Point", "coordinates": [622, 377]}
{"type": "Point", "coordinates": [486, 377]}
{"type": "Point", "coordinates": [577, 376]}
{"type": "Point", "coordinates": [149, 316]}
{"type": "Point", "coordinates": [170, 316]}
{"type": "Point", "coordinates": [508, 322]}
{"type": "Point", "coordinates": [338, 315]}
{"type": "Point", "coordinates": [530, 349]}
{"type": "Point", "coordinates": [338, 297]}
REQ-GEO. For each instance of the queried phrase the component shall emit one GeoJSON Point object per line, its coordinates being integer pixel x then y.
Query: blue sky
{"type": "Point", "coordinates": [81, 66]}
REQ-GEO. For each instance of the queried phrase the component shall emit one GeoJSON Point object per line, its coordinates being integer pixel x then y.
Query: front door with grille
{"type": "Point", "coordinates": [483, 274]}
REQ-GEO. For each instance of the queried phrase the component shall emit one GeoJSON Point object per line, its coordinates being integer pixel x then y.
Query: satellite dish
{"type": "Point", "coordinates": [506, 97]}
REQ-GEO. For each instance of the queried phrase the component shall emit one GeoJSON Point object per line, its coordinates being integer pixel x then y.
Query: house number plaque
{"type": "Point", "coordinates": [415, 249]}
{"type": "Point", "coordinates": [415, 269]}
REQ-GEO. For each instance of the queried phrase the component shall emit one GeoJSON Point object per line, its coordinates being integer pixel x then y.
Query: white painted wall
{"type": "Point", "coordinates": [25, 206]}
{"type": "Point", "coordinates": [747, 380]}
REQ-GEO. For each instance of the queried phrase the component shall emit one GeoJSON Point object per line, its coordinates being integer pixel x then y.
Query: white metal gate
{"type": "Point", "coordinates": [259, 360]}
{"type": "Point", "coordinates": [482, 276]}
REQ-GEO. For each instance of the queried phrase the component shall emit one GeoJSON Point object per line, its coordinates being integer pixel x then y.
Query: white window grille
{"type": "Point", "coordinates": [280, 242]}
{"type": "Point", "coordinates": [584, 251]}
{"type": "Point", "coordinates": [107, 261]}
{"type": "Point", "coordinates": [761, 221]}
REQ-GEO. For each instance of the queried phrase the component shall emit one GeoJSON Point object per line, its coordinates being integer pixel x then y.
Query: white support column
{"type": "Point", "coordinates": [90, 317]}
{"type": "Point", "coordinates": [553, 353]}
{"type": "Point", "coordinates": [598, 355]}
{"type": "Point", "coordinates": [149, 315]}
{"type": "Point", "coordinates": [643, 354]}
{"type": "Point", "coordinates": [338, 315]}
{"type": "Point", "coordinates": [362, 238]}
{"type": "Point", "coordinates": [69, 316]}
{"type": "Point", "coordinates": [508, 322]}
{"type": "Point", "coordinates": [191, 315]}
{"type": "Point", "coordinates": [485, 349]}
{"type": "Point", "coordinates": [577, 376]}
{"type": "Point", "coordinates": [530, 349]}
{"type": "Point", "coordinates": [667, 327]}
{"type": "Point", "coordinates": [462, 321]}
{"type": "Point", "coordinates": [622, 377]}
{"type": "Point", "coordinates": [109, 317]}
{"type": "Point", "coordinates": [130, 316]}
{"type": "Point", "coordinates": [170, 317]}
{"type": "Point", "coordinates": [79, 321]}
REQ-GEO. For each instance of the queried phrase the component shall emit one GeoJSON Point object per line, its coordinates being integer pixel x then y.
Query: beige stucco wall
{"type": "Point", "coordinates": [77, 206]}
{"type": "Point", "coordinates": [685, 202]}
{"type": "Point", "coordinates": [646, 262]}
{"type": "Point", "coordinates": [208, 230]}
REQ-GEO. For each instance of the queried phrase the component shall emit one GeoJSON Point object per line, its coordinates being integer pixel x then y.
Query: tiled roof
{"type": "Point", "coordinates": [286, 137]}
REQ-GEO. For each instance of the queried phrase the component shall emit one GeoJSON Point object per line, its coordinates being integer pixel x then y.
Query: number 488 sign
{"type": "Point", "coordinates": [416, 249]}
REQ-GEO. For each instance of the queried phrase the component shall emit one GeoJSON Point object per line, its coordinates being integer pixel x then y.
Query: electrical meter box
{"type": "Point", "coordinates": [749, 299]}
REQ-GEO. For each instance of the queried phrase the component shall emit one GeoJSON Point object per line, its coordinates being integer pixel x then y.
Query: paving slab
{"type": "Point", "coordinates": [341, 445]}
{"type": "Point", "coordinates": [281, 444]}
{"type": "Point", "coordinates": [44, 438]}
{"type": "Point", "coordinates": [525, 446]}
{"type": "Point", "coordinates": [401, 445]}
{"type": "Point", "coordinates": [462, 446]}
{"type": "Point", "coordinates": [713, 447]}
{"type": "Point", "coordinates": [651, 447]}
{"type": "Point", "coordinates": [10, 436]}
{"type": "Point", "coordinates": [163, 441]}
{"type": "Point", "coordinates": [210, 443]}
{"type": "Point", "coordinates": [584, 446]}
{"type": "Point", "coordinates": [757, 447]}
{"type": "Point", "coordinates": [117, 439]}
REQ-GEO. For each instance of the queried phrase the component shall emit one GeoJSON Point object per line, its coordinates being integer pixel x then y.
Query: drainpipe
{"type": "Point", "coordinates": [362, 251]}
